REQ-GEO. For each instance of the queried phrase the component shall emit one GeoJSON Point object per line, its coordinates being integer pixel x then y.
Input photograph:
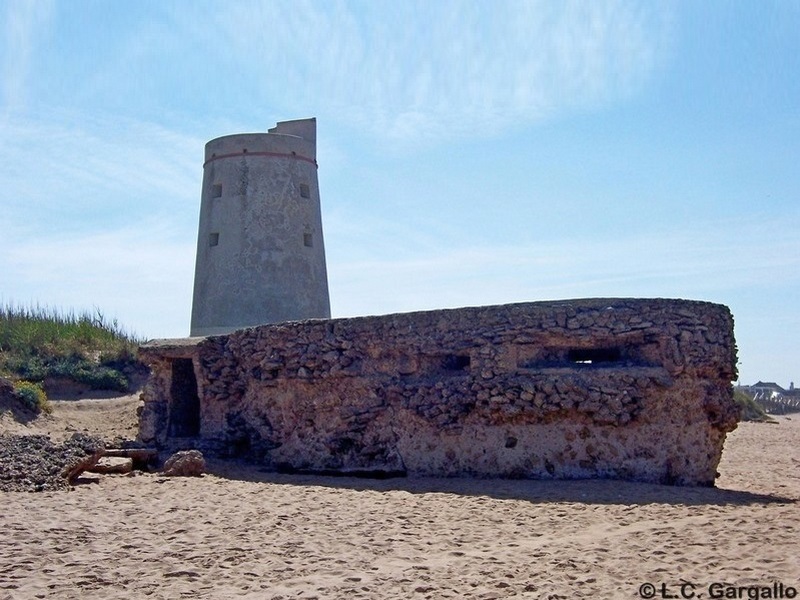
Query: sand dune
{"type": "Point", "coordinates": [245, 534]}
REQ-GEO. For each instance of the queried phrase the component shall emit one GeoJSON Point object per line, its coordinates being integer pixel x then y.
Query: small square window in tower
{"type": "Point", "coordinates": [308, 240]}
{"type": "Point", "coordinates": [216, 190]}
{"type": "Point", "coordinates": [305, 192]}
{"type": "Point", "coordinates": [213, 239]}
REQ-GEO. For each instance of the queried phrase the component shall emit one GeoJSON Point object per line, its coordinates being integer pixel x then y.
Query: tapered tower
{"type": "Point", "coordinates": [260, 252]}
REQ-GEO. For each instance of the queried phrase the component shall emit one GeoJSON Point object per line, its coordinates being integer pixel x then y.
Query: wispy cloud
{"type": "Point", "coordinates": [402, 71]}
{"type": "Point", "coordinates": [104, 209]}
{"type": "Point", "coordinates": [96, 172]}
{"type": "Point", "coordinates": [446, 69]}
{"type": "Point", "coordinates": [22, 25]}
{"type": "Point", "coordinates": [709, 261]}
{"type": "Point", "coordinates": [140, 274]}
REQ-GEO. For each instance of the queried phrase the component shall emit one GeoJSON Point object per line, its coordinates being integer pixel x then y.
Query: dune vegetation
{"type": "Point", "coordinates": [38, 343]}
{"type": "Point", "coordinates": [750, 409]}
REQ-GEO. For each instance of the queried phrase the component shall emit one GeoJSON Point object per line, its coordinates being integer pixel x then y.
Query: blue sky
{"type": "Point", "coordinates": [469, 152]}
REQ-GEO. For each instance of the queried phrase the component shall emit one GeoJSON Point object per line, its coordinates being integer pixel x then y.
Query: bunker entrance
{"type": "Point", "coordinates": [184, 412]}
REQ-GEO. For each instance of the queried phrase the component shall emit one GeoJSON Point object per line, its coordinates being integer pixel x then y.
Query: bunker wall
{"type": "Point", "coordinates": [622, 388]}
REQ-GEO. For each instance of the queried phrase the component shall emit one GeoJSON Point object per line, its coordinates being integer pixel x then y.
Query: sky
{"type": "Point", "coordinates": [470, 152]}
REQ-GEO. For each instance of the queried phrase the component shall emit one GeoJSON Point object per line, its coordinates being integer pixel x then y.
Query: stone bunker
{"type": "Point", "coordinates": [636, 389]}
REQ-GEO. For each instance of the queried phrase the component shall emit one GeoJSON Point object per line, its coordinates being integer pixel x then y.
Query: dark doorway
{"type": "Point", "coordinates": [184, 413]}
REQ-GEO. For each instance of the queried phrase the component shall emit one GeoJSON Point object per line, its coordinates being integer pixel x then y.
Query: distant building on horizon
{"type": "Point", "coordinates": [767, 387]}
{"type": "Point", "coordinates": [774, 398]}
{"type": "Point", "coordinates": [260, 249]}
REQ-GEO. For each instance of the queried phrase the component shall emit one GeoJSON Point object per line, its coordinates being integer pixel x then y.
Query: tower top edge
{"type": "Point", "coordinates": [304, 128]}
{"type": "Point", "coordinates": [292, 138]}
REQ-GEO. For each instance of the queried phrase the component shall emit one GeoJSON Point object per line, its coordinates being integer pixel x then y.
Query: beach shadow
{"type": "Point", "coordinates": [18, 411]}
{"type": "Point", "coordinates": [88, 394]}
{"type": "Point", "coordinates": [64, 389]}
{"type": "Point", "coordinates": [584, 491]}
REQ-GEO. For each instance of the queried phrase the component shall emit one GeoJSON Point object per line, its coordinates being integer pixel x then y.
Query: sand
{"type": "Point", "coordinates": [241, 533]}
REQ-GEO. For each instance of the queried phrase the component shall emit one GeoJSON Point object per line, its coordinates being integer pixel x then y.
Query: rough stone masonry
{"type": "Point", "coordinates": [636, 389]}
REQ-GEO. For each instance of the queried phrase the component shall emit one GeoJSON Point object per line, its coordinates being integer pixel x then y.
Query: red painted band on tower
{"type": "Point", "coordinates": [273, 154]}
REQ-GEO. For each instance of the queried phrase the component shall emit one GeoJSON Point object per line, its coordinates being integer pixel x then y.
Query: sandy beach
{"type": "Point", "coordinates": [242, 533]}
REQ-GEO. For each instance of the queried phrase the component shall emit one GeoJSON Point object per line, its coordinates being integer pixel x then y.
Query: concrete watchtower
{"type": "Point", "coordinates": [260, 253]}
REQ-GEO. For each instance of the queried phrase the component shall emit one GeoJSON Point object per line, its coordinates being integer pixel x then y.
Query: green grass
{"type": "Point", "coordinates": [33, 396]}
{"type": "Point", "coordinates": [40, 342]}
